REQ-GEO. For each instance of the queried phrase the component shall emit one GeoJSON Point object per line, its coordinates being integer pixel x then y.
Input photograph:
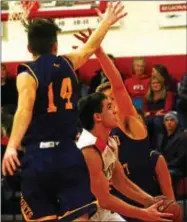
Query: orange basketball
{"type": "Point", "coordinates": [171, 206]}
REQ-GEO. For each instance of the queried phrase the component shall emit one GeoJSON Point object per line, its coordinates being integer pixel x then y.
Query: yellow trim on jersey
{"type": "Point", "coordinates": [152, 152]}
{"type": "Point", "coordinates": [77, 209]}
{"type": "Point", "coordinates": [45, 218]}
{"type": "Point", "coordinates": [71, 68]}
{"type": "Point", "coordinates": [33, 74]}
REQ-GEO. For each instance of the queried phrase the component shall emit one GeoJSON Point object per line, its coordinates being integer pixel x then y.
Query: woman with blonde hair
{"type": "Point", "coordinates": [170, 81]}
{"type": "Point", "coordinates": [158, 100]}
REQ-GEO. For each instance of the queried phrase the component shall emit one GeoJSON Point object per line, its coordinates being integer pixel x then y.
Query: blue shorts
{"type": "Point", "coordinates": [55, 183]}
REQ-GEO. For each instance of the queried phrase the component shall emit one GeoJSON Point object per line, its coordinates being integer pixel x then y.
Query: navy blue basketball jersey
{"type": "Point", "coordinates": [55, 110]}
{"type": "Point", "coordinates": [138, 164]}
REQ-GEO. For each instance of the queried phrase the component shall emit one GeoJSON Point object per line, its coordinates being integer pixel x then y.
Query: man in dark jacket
{"type": "Point", "coordinates": [173, 144]}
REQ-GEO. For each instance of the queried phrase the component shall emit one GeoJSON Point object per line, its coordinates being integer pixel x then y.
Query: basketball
{"type": "Point", "coordinates": [171, 206]}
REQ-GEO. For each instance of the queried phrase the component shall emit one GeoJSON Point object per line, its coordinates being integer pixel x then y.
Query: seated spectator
{"type": "Point", "coordinates": [182, 102]}
{"type": "Point", "coordinates": [173, 143]}
{"type": "Point", "coordinates": [158, 100]}
{"type": "Point", "coordinates": [137, 85]}
{"type": "Point", "coordinates": [99, 77]}
{"type": "Point", "coordinates": [170, 82]}
{"type": "Point", "coordinates": [9, 94]}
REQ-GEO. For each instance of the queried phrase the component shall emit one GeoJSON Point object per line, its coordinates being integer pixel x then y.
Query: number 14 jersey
{"type": "Point", "coordinates": [55, 113]}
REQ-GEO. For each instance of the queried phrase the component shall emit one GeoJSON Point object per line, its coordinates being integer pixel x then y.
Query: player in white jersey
{"type": "Point", "coordinates": [109, 158]}
{"type": "Point", "coordinates": [98, 118]}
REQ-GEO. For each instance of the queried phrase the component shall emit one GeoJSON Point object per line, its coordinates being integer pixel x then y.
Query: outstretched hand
{"type": "Point", "coordinates": [114, 12]}
{"type": "Point", "coordinates": [152, 214]}
{"type": "Point", "coordinates": [156, 199]}
{"type": "Point", "coordinates": [83, 36]}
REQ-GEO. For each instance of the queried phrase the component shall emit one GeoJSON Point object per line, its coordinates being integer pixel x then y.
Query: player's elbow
{"type": "Point", "coordinates": [24, 111]}
{"type": "Point", "coordinates": [104, 204]}
{"type": "Point", "coordinates": [105, 201]}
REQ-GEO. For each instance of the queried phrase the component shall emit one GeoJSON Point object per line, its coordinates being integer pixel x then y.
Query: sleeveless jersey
{"type": "Point", "coordinates": [55, 109]}
{"type": "Point", "coordinates": [137, 161]}
{"type": "Point", "coordinates": [108, 151]}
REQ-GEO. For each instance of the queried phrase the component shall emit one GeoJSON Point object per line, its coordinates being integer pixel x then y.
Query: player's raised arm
{"type": "Point", "coordinates": [113, 13]}
{"type": "Point", "coordinates": [129, 120]}
{"type": "Point", "coordinates": [119, 91]}
{"type": "Point", "coordinates": [27, 87]}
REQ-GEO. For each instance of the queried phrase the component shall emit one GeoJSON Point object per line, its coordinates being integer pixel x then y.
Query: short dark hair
{"type": "Point", "coordinates": [103, 86]}
{"type": "Point", "coordinates": [88, 106]}
{"type": "Point", "coordinates": [111, 57]}
{"type": "Point", "coordinates": [163, 71]}
{"type": "Point", "coordinates": [42, 34]}
{"type": "Point", "coordinates": [3, 65]}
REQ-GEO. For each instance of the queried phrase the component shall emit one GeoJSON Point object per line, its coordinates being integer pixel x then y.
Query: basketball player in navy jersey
{"type": "Point", "coordinates": [98, 118]}
{"type": "Point", "coordinates": [54, 174]}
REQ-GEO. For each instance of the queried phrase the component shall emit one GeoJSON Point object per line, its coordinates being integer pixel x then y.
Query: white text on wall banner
{"type": "Point", "coordinates": [173, 14]}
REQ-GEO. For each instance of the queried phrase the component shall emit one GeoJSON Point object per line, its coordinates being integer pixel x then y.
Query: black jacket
{"type": "Point", "coordinates": [174, 150]}
{"type": "Point", "coordinates": [183, 88]}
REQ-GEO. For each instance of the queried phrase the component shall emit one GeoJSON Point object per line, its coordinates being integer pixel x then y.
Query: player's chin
{"type": "Point", "coordinates": [113, 124]}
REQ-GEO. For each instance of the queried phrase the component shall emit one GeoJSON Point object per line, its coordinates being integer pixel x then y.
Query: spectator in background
{"type": "Point", "coordinates": [182, 102]}
{"type": "Point", "coordinates": [137, 85]}
{"type": "Point", "coordinates": [173, 143]}
{"type": "Point", "coordinates": [170, 82]}
{"type": "Point", "coordinates": [9, 96]}
{"type": "Point", "coordinates": [99, 77]}
{"type": "Point", "coordinates": [158, 100]}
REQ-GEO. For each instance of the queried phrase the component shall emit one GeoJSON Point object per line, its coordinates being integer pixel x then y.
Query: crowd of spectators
{"type": "Point", "coordinates": [163, 103]}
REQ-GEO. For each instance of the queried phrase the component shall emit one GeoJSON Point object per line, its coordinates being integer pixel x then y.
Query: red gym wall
{"type": "Point", "coordinates": [176, 64]}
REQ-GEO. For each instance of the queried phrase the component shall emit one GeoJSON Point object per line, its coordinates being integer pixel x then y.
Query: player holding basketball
{"type": "Point", "coordinates": [53, 169]}
{"type": "Point", "coordinates": [129, 120]}
{"type": "Point", "coordinates": [98, 118]}
{"type": "Point", "coordinates": [131, 134]}
{"type": "Point", "coordinates": [147, 169]}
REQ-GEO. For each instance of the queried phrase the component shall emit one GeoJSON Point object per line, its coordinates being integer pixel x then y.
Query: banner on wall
{"type": "Point", "coordinates": [173, 14]}
{"type": "Point", "coordinates": [80, 23]}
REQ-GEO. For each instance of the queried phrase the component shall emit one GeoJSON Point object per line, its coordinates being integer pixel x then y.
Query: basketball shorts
{"type": "Point", "coordinates": [55, 182]}
{"type": "Point", "coordinates": [106, 215]}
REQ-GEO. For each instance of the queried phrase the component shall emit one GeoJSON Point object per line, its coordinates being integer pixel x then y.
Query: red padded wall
{"type": "Point", "coordinates": [176, 64]}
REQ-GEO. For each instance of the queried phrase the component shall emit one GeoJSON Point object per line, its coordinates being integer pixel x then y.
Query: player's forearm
{"type": "Point", "coordinates": [133, 192]}
{"type": "Point", "coordinates": [164, 178]}
{"type": "Point", "coordinates": [109, 69]}
{"type": "Point", "coordinates": [89, 48]}
{"type": "Point", "coordinates": [167, 190]}
{"type": "Point", "coordinates": [21, 122]}
{"type": "Point", "coordinates": [118, 88]}
{"type": "Point", "coordinates": [96, 38]}
{"type": "Point", "coordinates": [114, 204]}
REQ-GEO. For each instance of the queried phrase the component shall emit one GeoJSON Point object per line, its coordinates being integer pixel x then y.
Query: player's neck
{"type": "Point", "coordinates": [35, 57]}
{"type": "Point", "coordinates": [101, 133]}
